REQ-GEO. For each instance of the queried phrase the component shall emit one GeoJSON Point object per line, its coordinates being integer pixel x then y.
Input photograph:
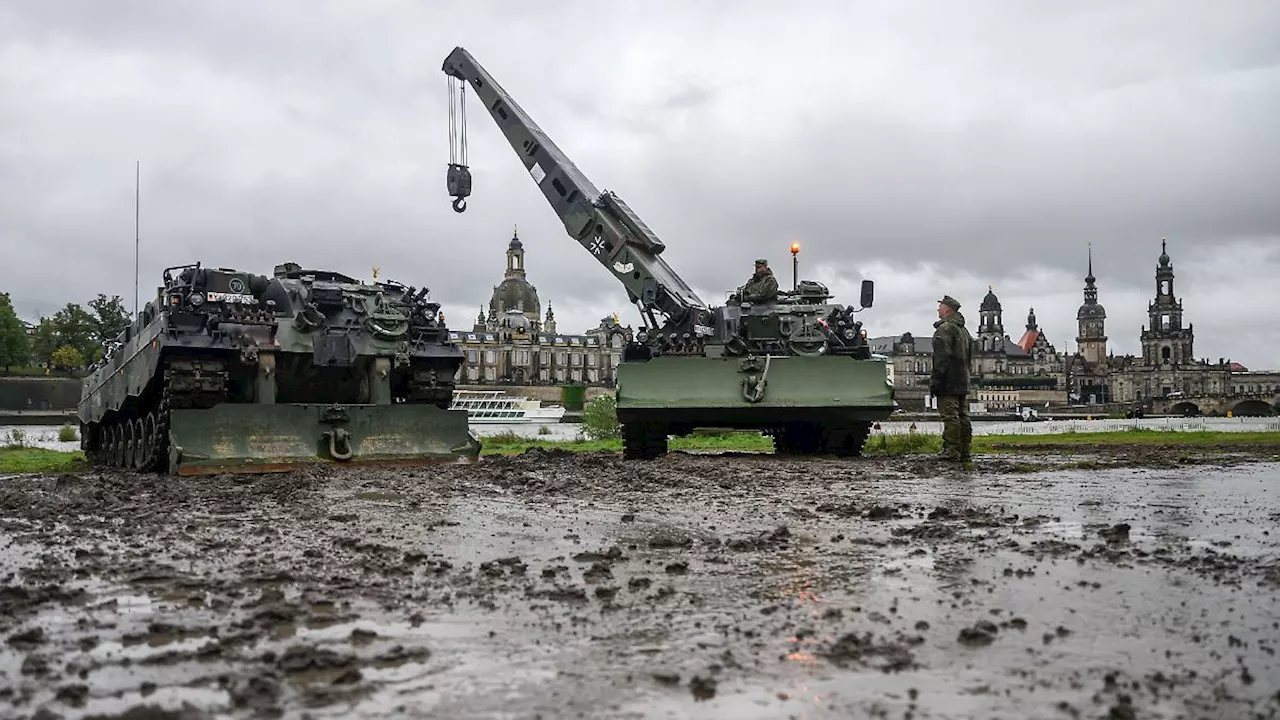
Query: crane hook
{"type": "Point", "coordinates": [459, 183]}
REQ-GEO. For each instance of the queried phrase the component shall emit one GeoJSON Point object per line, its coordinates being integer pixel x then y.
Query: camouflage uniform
{"type": "Point", "coordinates": [760, 288]}
{"type": "Point", "coordinates": [952, 347]}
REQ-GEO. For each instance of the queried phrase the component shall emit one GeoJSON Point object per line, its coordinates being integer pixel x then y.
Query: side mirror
{"type": "Point", "coordinates": [868, 293]}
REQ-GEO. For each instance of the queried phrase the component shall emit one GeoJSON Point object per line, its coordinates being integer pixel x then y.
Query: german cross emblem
{"type": "Point", "coordinates": [598, 246]}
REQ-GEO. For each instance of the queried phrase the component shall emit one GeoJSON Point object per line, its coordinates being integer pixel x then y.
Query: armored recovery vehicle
{"type": "Point", "coordinates": [228, 371]}
{"type": "Point", "coordinates": [798, 368]}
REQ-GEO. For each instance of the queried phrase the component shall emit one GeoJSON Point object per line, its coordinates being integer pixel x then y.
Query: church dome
{"type": "Point", "coordinates": [1164, 254]}
{"type": "Point", "coordinates": [515, 293]}
{"type": "Point", "coordinates": [990, 302]}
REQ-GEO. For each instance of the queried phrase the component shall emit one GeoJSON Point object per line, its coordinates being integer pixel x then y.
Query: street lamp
{"type": "Point", "coordinates": [795, 264]}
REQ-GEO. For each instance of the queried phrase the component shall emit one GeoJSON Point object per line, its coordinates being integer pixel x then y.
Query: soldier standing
{"type": "Point", "coordinates": [952, 346]}
{"type": "Point", "coordinates": [762, 287]}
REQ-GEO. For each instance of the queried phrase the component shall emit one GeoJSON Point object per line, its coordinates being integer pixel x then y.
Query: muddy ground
{"type": "Point", "coordinates": [1118, 583]}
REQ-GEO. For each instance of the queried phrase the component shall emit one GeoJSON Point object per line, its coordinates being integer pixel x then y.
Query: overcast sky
{"type": "Point", "coordinates": [934, 147]}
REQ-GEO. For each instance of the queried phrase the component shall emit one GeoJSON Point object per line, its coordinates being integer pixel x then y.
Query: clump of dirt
{"type": "Point", "coordinates": [1116, 533]}
{"type": "Point", "coordinates": [865, 650]}
{"type": "Point", "coordinates": [981, 633]}
{"type": "Point", "coordinates": [780, 535]}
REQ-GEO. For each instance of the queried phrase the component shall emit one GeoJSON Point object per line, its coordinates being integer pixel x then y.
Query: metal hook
{"type": "Point", "coordinates": [339, 436]}
{"type": "Point", "coordinates": [459, 205]}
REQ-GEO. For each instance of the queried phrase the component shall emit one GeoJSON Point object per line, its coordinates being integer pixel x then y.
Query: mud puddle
{"type": "Point", "coordinates": [692, 586]}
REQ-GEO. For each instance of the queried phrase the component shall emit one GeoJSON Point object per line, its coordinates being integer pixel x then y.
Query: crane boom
{"type": "Point", "coordinates": [601, 222]}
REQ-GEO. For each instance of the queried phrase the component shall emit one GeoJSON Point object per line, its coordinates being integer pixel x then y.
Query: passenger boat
{"type": "Point", "coordinates": [495, 406]}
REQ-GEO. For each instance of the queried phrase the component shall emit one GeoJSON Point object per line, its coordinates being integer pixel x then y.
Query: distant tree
{"type": "Point", "coordinates": [110, 317]}
{"type": "Point", "coordinates": [44, 342]}
{"type": "Point", "coordinates": [79, 329]}
{"type": "Point", "coordinates": [71, 326]}
{"type": "Point", "coordinates": [67, 358]}
{"type": "Point", "coordinates": [15, 346]}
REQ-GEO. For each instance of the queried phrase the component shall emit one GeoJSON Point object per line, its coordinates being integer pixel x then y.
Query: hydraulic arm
{"type": "Point", "coordinates": [600, 221]}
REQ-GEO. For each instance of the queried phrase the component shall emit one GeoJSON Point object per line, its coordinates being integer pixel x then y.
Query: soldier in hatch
{"type": "Point", "coordinates": [952, 347]}
{"type": "Point", "coordinates": [762, 287]}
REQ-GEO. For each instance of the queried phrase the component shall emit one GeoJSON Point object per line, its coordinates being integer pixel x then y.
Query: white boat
{"type": "Point", "coordinates": [495, 406]}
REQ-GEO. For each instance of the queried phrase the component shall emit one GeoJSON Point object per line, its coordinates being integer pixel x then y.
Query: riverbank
{"type": "Point", "coordinates": [1140, 443]}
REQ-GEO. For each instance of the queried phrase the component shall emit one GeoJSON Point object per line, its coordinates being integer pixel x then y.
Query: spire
{"type": "Point", "coordinates": [1164, 253]}
{"type": "Point", "coordinates": [1089, 279]}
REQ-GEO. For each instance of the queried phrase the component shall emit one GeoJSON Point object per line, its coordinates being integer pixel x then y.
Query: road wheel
{"type": "Point", "coordinates": [140, 443]}
{"type": "Point", "coordinates": [117, 444]}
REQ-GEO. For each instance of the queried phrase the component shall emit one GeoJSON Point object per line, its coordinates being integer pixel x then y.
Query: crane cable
{"type": "Point", "coordinates": [459, 177]}
{"type": "Point", "coordinates": [457, 122]}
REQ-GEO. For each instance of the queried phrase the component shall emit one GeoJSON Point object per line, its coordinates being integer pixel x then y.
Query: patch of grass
{"type": "Point", "coordinates": [509, 443]}
{"type": "Point", "coordinates": [912, 443]}
{"type": "Point", "coordinates": [1026, 467]}
{"type": "Point", "coordinates": [68, 433]}
{"type": "Point", "coordinates": [39, 460]}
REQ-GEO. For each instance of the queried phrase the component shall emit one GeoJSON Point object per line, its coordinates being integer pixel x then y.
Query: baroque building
{"type": "Point", "coordinates": [1090, 367]}
{"type": "Point", "coordinates": [515, 344]}
{"type": "Point", "coordinates": [1006, 373]}
{"type": "Point", "coordinates": [1168, 366]}
{"type": "Point", "coordinates": [1030, 371]}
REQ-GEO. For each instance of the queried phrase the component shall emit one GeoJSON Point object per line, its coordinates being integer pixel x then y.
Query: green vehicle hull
{"type": "Point", "coordinates": [230, 372]}
{"type": "Point", "coordinates": [267, 438]}
{"type": "Point", "coordinates": [823, 404]}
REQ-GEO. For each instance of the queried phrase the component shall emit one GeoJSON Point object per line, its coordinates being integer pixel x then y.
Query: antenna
{"type": "Point", "coordinates": [137, 207]}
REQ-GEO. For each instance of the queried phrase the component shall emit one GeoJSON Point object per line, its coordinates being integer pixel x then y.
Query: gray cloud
{"type": "Point", "coordinates": [943, 147]}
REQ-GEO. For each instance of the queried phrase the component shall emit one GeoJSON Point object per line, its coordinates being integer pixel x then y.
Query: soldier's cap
{"type": "Point", "coordinates": [761, 261]}
{"type": "Point", "coordinates": [950, 302]}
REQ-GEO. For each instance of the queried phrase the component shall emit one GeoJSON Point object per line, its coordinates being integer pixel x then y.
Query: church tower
{"type": "Point", "coordinates": [515, 293]}
{"type": "Point", "coordinates": [990, 324]}
{"type": "Point", "coordinates": [1165, 341]}
{"type": "Point", "coordinates": [549, 325]}
{"type": "Point", "coordinates": [515, 256]}
{"type": "Point", "coordinates": [1091, 339]}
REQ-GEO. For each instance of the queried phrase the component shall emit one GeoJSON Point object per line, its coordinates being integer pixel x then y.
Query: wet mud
{"type": "Point", "coordinates": [1105, 583]}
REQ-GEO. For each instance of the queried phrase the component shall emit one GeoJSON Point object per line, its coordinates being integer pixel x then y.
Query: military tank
{"type": "Point", "coordinates": [229, 371]}
{"type": "Point", "coordinates": [796, 366]}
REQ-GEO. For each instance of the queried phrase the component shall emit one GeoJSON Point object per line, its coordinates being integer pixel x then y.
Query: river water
{"type": "Point", "coordinates": [46, 436]}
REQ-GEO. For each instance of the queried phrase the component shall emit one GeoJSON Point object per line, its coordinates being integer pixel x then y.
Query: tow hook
{"type": "Point", "coordinates": [339, 443]}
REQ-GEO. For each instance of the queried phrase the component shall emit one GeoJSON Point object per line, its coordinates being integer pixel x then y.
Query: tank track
{"type": "Point", "coordinates": [645, 441]}
{"type": "Point", "coordinates": [138, 439]}
{"type": "Point", "coordinates": [817, 439]}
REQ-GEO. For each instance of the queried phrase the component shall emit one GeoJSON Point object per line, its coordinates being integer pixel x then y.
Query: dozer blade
{"type": "Point", "coordinates": [714, 392]}
{"type": "Point", "coordinates": [249, 438]}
